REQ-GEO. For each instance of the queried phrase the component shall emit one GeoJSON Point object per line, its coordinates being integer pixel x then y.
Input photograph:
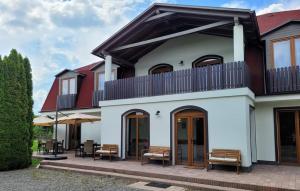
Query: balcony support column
{"type": "Point", "coordinates": [108, 66]}
{"type": "Point", "coordinates": [238, 41]}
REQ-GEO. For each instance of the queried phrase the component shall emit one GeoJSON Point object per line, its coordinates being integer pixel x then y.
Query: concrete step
{"type": "Point", "coordinates": [197, 180]}
{"type": "Point", "coordinates": [143, 178]}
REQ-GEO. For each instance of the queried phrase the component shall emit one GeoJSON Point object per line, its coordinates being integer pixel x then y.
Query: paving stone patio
{"type": "Point", "coordinates": [279, 176]}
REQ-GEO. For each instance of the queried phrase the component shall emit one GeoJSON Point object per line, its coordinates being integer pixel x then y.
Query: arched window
{"type": "Point", "coordinates": [160, 68]}
{"type": "Point", "coordinates": [208, 60]}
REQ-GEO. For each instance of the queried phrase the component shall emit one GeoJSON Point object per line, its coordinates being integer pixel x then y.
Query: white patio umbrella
{"type": "Point", "coordinates": [43, 121]}
{"type": "Point", "coordinates": [77, 118]}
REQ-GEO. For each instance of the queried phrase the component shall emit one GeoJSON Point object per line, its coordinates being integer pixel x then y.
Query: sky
{"type": "Point", "coordinates": [59, 34]}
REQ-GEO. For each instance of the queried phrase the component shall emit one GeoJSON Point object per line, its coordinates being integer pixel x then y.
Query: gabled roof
{"type": "Point", "coordinates": [97, 65]}
{"type": "Point", "coordinates": [68, 70]}
{"type": "Point", "coordinates": [84, 99]}
{"type": "Point", "coordinates": [272, 21]}
{"type": "Point", "coordinates": [165, 19]}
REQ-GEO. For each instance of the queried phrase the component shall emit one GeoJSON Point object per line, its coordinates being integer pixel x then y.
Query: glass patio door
{"type": "Point", "coordinates": [138, 134]}
{"type": "Point", "coordinates": [288, 124]}
{"type": "Point", "coordinates": [197, 135]}
{"type": "Point", "coordinates": [190, 139]}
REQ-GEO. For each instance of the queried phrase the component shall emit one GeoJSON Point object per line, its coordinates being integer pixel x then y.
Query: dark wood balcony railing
{"type": "Point", "coordinates": [97, 96]}
{"type": "Point", "coordinates": [283, 80]}
{"type": "Point", "coordinates": [66, 101]}
{"type": "Point", "coordinates": [222, 76]}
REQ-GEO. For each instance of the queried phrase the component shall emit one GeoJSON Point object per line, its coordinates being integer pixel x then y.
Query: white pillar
{"type": "Point", "coordinates": [108, 63]}
{"type": "Point", "coordinates": [238, 42]}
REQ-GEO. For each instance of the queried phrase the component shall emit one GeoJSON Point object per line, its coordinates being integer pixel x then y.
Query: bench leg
{"type": "Point", "coordinates": [238, 169]}
{"type": "Point", "coordinates": [163, 162]}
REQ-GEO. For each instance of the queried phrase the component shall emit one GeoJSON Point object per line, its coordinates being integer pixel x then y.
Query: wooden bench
{"type": "Point", "coordinates": [110, 150]}
{"type": "Point", "coordinates": [156, 153]}
{"type": "Point", "coordinates": [224, 157]}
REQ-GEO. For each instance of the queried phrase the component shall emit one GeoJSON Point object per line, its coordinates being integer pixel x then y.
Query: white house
{"type": "Point", "coordinates": [192, 79]}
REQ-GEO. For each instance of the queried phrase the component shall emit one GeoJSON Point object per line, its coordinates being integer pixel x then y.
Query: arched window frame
{"type": "Point", "coordinates": [158, 66]}
{"type": "Point", "coordinates": [206, 57]}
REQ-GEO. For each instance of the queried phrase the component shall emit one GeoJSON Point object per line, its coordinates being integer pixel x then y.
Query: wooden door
{"type": "Point", "coordinates": [138, 135]}
{"type": "Point", "coordinates": [190, 138]}
{"type": "Point", "coordinates": [288, 136]}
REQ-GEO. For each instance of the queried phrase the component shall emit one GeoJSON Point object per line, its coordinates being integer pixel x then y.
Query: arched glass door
{"type": "Point", "coordinates": [190, 138]}
{"type": "Point", "coordinates": [138, 134]}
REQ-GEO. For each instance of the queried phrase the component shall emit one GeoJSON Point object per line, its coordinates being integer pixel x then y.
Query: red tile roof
{"type": "Point", "coordinates": [85, 94]}
{"type": "Point", "coordinates": [271, 21]}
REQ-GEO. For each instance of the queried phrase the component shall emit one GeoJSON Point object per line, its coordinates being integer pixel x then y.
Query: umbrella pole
{"type": "Point", "coordinates": [56, 115]}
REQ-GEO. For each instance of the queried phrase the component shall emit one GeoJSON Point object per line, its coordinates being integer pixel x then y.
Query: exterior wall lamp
{"type": "Point", "coordinates": [157, 113]}
{"type": "Point", "coordinates": [181, 63]}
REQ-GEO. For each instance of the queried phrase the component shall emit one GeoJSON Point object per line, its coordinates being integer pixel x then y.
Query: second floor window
{"type": "Point", "coordinates": [286, 52]}
{"type": "Point", "coordinates": [68, 86]}
{"type": "Point", "coordinates": [101, 79]}
{"type": "Point", "coordinates": [160, 68]}
{"type": "Point", "coordinates": [207, 60]}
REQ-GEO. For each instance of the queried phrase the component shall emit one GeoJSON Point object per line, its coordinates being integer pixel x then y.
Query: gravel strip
{"type": "Point", "coordinates": [33, 179]}
{"type": "Point", "coordinates": [43, 180]}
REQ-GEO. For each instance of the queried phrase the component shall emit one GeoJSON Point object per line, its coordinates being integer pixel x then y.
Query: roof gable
{"type": "Point", "coordinates": [272, 21]}
{"type": "Point", "coordinates": [85, 94]}
{"type": "Point", "coordinates": [165, 19]}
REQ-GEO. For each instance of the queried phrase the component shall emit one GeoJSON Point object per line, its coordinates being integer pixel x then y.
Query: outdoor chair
{"type": "Point", "coordinates": [49, 146]}
{"type": "Point", "coordinates": [60, 147]}
{"type": "Point", "coordinates": [110, 150]}
{"type": "Point", "coordinates": [39, 146]}
{"type": "Point", "coordinates": [88, 148]}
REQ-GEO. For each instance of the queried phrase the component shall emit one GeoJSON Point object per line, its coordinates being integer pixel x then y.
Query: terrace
{"type": "Point", "coordinates": [262, 177]}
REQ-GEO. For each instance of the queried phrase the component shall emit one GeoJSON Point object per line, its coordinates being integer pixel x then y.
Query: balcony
{"type": "Point", "coordinates": [97, 96]}
{"type": "Point", "coordinates": [215, 77]}
{"type": "Point", "coordinates": [66, 101]}
{"type": "Point", "coordinates": [284, 80]}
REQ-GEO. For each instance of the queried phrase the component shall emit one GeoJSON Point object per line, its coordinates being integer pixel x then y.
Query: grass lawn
{"type": "Point", "coordinates": [34, 145]}
{"type": "Point", "coordinates": [35, 162]}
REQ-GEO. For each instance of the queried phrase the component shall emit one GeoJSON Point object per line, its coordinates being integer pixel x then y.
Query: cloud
{"type": "Point", "coordinates": [281, 5]}
{"type": "Point", "coordinates": [58, 34]}
{"type": "Point", "coordinates": [236, 4]}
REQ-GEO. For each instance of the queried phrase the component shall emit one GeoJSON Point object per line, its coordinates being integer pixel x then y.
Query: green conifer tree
{"type": "Point", "coordinates": [14, 128]}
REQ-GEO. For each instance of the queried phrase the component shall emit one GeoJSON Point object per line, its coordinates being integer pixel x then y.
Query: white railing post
{"type": "Point", "coordinates": [108, 65]}
{"type": "Point", "coordinates": [238, 41]}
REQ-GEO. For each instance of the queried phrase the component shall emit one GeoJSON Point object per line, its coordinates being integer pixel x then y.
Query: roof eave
{"type": "Point", "coordinates": [279, 26]}
{"type": "Point", "coordinates": [100, 50]}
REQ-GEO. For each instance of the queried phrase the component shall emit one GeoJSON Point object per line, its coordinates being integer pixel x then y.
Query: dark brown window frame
{"type": "Point", "coordinates": [157, 66]}
{"type": "Point", "coordinates": [206, 57]}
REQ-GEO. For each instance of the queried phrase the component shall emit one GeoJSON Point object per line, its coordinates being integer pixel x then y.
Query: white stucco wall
{"type": "Point", "coordinates": [265, 134]}
{"type": "Point", "coordinates": [228, 115]}
{"type": "Point", "coordinates": [187, 49]}
{"type": "Point", "coordinates": [91, 131]}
